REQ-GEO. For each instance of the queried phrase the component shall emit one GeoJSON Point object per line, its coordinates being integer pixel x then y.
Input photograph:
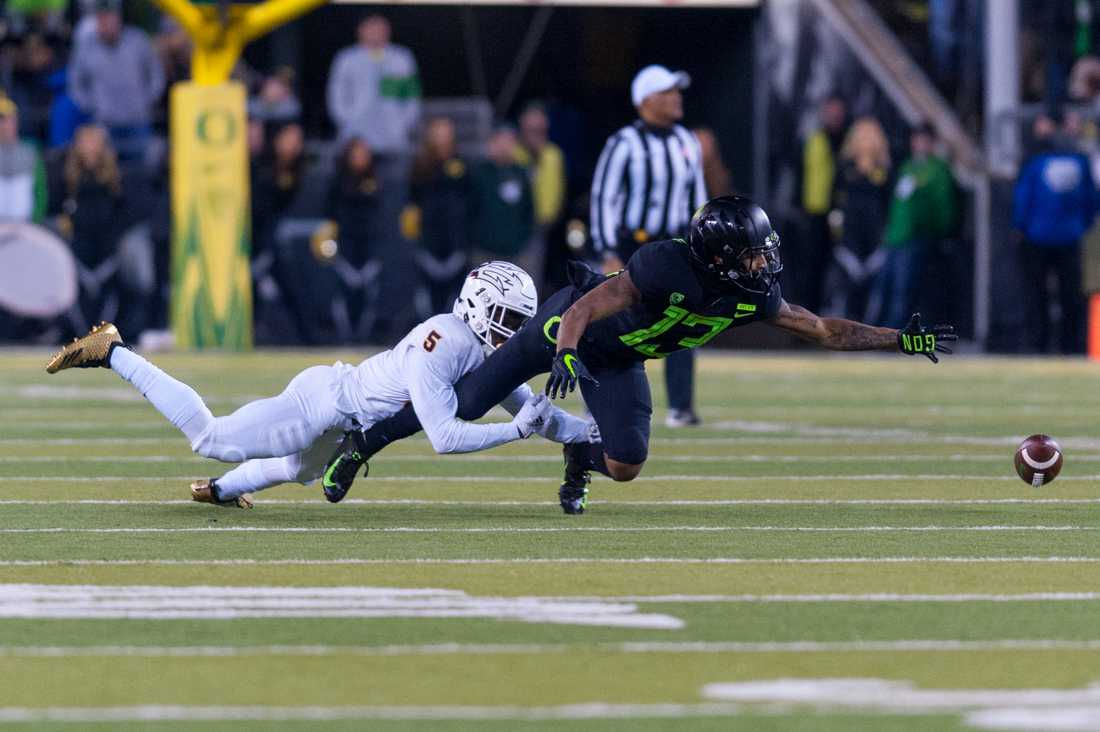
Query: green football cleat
{"type": "Point", "coordinates": [342, 466]}
{"type": "Point", "coordinates": [573, 493]}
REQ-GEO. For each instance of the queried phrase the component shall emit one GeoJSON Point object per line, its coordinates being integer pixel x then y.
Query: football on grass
{"type": "Point", "coordinates": [1038, 460]}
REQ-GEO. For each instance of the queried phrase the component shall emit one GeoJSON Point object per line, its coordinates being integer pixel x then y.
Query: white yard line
{"type": "Point", "coordinates": [671, 502]}
{"type": "Point", "coordinates": [556, 459]}
{"type": "Point", "coordinates": [169, 602]}
{"type": "Point", "coordinates": [445, 649]}
{"type": "Point", "coordinates": [532, 529]}
{"type": "Point", "coordinates": [155, 713]}
{"type": "Point", "coordinates": [833, 478]}
{"type": "Point", "coordinates": [59, 562]}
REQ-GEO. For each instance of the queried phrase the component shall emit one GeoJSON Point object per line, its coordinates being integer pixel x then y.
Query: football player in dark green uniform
{"type": "Point", "coordinates": [598, 332]}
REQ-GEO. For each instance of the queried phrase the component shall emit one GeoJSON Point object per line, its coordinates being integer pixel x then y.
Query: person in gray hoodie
{"type": "Point", "coordinates": [116, 77]}
{"type": "Point", "coordinates": [374, 91]}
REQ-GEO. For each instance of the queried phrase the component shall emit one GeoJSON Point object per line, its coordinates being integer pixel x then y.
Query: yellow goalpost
{"type": "Point", "coordinates": [211, 227]}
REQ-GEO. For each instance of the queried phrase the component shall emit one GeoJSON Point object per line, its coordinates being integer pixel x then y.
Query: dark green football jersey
{"type": "Point", "coordinates": [677, 310]}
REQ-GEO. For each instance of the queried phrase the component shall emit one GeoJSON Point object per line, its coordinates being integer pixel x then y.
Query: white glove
{"type": "Point", "coordinates": [532, 415]}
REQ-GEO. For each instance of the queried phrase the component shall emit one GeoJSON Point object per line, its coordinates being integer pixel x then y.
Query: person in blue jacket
{"type": "Point", "coordinates": [1055, 203]}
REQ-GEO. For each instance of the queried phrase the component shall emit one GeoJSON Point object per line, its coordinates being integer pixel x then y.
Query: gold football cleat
{"type": "Point", "coordinates": [89, 351]}
{"type": "Point", "coordinates": [203, 491]}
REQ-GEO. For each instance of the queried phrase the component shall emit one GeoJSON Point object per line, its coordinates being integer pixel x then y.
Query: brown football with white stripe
{"type": "Point", "coordinates": [1038, 460]}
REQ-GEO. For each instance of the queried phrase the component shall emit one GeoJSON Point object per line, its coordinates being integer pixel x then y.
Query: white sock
{"type": "Point", "coordinates": [179, 403]}
{"type": "Point", "coordinates": [257, 475]}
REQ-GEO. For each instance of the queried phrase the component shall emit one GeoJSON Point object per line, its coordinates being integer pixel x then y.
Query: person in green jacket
{"type": "Point", "coordinates": [503, 214]}
{"type": "Point", "coordinates": [922, 213]}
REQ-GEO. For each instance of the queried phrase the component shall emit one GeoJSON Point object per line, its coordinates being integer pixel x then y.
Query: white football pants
{"type": "Point", "coordinates": [289, 437]}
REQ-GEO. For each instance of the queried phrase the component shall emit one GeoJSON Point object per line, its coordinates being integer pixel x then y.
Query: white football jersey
{"type": "Point", "coordinates": [423, 369]}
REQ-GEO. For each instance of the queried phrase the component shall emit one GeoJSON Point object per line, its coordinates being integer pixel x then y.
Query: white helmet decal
{"type": "Point", "coordinates": [496, 298]}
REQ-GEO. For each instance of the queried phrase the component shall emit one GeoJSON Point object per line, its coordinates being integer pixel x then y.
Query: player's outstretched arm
{"type": "Point", "coordinates": [839, 334]}
{"type": "Point", "coordinates": [433, 398]}
{"type": "Point", "coordinates": [614, 295]}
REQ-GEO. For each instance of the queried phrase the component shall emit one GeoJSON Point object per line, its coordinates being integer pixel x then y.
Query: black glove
{"type": "Point", "coordinates": [914, 338]}
{"type": "Point", "coordinates": [565, 373]}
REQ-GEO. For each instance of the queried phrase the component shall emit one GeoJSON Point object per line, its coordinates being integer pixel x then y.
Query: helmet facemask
{"type": "Point", "coordinates": [496, 300]}
{"type": "Point", "coordinates": [503, 322]}
{"type": "Point", "coordinates": [736, 267]}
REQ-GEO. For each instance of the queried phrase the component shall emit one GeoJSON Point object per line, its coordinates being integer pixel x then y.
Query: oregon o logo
{"type": "Point", "coordinates": [216, 127]}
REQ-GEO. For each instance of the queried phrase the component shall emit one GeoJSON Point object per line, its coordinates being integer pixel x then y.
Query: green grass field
{"type": "Point", "coordinates": [842, 546]}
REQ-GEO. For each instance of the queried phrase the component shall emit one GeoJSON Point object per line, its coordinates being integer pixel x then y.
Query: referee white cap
{"type": "Point", "coordinates": [653, 79]}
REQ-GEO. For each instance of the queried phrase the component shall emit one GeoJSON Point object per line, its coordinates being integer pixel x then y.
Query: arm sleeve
{"type": "Point", "coordinates": [79, 80]}
{"type": "Point", "coordinates": [1022, 198]}
{"type": "Point", "coordinates": [434, 400]}
{"type": "Point", "coordinates": [562, 426]}
{"type": "Point", "coordinates": [607, 195]}
{"type": "Point", "coordinates": [650, 274]}
{"type": "Point", "coordinates": [155, 71]}
{"type": "Point", "coordinates": [335, 94]}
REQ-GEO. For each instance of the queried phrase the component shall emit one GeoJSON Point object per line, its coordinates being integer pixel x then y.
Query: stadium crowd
{"type": "Point", "coordinates": [83, 118]}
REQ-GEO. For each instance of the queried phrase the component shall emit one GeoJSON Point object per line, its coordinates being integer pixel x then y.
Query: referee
{"type": "Point", "coordinates": [648, 183]}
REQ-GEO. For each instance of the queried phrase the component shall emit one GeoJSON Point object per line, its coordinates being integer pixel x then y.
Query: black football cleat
{"type": "Point", "coordinates": [342, 466]}
{"type": "Point", "coordinates": [573, 494]}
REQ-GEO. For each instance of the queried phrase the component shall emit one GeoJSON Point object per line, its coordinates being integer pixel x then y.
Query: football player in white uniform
{"type": "Point", "coordinates": [289, 437]}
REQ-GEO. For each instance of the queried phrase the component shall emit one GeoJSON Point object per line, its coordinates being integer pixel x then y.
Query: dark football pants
{"type": "Point", "coordinates": [621, 404]}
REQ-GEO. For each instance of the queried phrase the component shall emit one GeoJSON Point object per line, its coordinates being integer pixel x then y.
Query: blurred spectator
{"type": "Point", "coordinates": [174, 48]}
{"type": "Point", "coordinates": [819, 168]}
{"type": "Point", "coordinates": [374, 90]}
{"type": "Point", "coordinates": [716, 176]}
{"type": "Point", "coordinates": [278, 178]}
{"type": "Point", "coordinates": [503, 212]}
{"type": "Point", "coordinates": [33, 15]}
{"type": "Point", "coordinates": [441, 192]}
{"type": "Point", "coordinates": [86, 196]}
{"type": "Point", "coordinates": [1055, 203]}
{"type": "Point", "coordinates": [257, 140]}
{"type": "Point", "coordinates": [921, 217]}
{"type": "Point", "coordinates": [864, 193]}
{"type": "Point", "coordinates": [1084, 79]}
{"type": "Point", "coordinates": [278, 193]}
{"type": "Point", "coordinates": [276, 101]}
{"type": "Point", "coordinates": [353, 207]}
{"type": "Point", "coordinates": [116, 77]}
{"type": "Point", "coordinates": [546, 167]}
{"type": "Point", "coordinates": [22, 177]}
{"type": "Point", "coordinates": [545, 161]}
{"type": "Point", "coordinates": [31, 87]}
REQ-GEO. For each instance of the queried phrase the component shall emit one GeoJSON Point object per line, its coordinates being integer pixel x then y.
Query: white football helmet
{"type": "Point", "coordinates": [496, 298]}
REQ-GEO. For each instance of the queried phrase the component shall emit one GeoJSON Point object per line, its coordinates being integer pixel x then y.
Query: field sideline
{"type": "Point", "coordinates": [843, 545]}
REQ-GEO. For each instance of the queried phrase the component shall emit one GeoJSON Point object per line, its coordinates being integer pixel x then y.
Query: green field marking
{"type": "Point", "coordinates": [855, 623]}
{"type": "Point", "coordinates": [579, 677]}
{"type": "Point", "coordinates": [599, 579]}
{"type": "Point", "coordinates": [304, 545]}
{"type": "Point", "coordinates": [1046, 519]}
{"type": "Point", "coordinates": [604, 493]}
{"type": "Point", "coordinates": [812, 427]}
{"type": "Point", "coordinates": [754, 721]}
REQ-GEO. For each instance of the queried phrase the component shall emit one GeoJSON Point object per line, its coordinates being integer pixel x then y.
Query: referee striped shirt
{"type": "Point", "coordinates": [647, 185]}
